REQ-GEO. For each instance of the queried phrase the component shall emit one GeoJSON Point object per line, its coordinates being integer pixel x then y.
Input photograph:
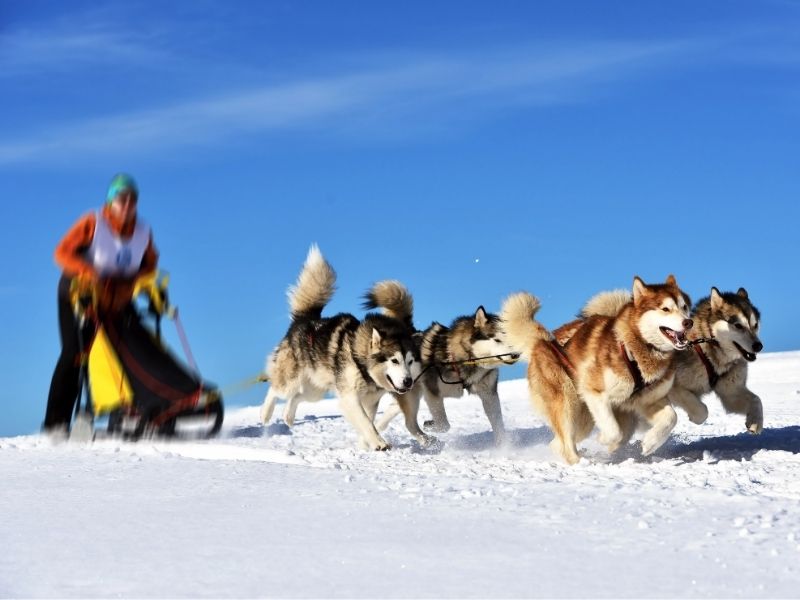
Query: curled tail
{"type": "Point", "coordinates": [606, 304]}
{"type": "Point", "coordinates": [521, 329]}
{"type": "Point", "coordinates": [393, 297]}
{"type": "Point", "coordinates": [314, 288]}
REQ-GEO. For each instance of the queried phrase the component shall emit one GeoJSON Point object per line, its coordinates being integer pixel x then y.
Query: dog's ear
{"type": "Point", "coordinates": [743, 293]}
{"type": "Point", "coordinates": [716, 299]}
{"type": "Point", "coordinates": [671, 280]}
{"type": "Point", "coordinates": [480, 318]}
{"type": "Point", "coordinates": [639, 289]}
{"type": "Point", "coordinates": [376, 339]}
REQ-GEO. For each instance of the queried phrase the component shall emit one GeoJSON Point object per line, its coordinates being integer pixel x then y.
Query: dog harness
{"type": "Point", "coordinates": [558, 352]}
{"type": "Point", "coordinates": [638, 381]}
{"type": "Point", "coordinates": [713, 376]}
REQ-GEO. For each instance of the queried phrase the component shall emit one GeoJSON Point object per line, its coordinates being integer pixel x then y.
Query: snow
{"type": "Point", "coordinates": [269, 512]}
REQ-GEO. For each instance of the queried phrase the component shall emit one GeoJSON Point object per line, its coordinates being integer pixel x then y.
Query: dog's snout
{"type": "Point", "coordinates": [758, 347]}
{"type": "Point", "coordinates": [688, 323]}
{"type": "Point", "coordinates": [408, 382]}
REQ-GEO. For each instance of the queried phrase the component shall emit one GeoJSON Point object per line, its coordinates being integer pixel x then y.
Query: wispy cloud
{"type": "Point", "coordinates": [27, 50]}
{"type": "Point", "coordinates": [444, 85]}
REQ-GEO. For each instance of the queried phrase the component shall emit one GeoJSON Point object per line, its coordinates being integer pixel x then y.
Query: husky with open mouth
{"type": "Point", "coordinates": [358, 360]}
{"type": "Point", "coordinates": [729, 324]}
{"type": "Point", "coordinates": [609, 368]}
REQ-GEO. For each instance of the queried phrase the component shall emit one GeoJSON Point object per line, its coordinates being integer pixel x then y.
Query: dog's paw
{"type": "Point", "coordinates": [611, 439]}
{"type": "Point", "coordinates": [653, 441]}
{"type": "Point", "coordinates": [432, 425]}
{"type": "Point", "coordinates": [754, 424]}
{"type": "Point", "coordinates": [698, 414]}
{"type": "Point", "coordinates": [427, 441]}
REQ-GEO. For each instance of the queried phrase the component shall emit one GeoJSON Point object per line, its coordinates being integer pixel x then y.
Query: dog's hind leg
{"type": "Point", "coordinates": [439, 421]}
{"type": "Point", "coordinates": [311, 394]}
{"type": "Point", "coordinates": [268, 407]}
{"type": "Point", "coordinates": [662, 419]}
{"type": "Point", "coordinates": [562, 421]}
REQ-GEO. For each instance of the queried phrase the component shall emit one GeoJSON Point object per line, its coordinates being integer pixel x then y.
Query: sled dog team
{"type": "Point", "coordinates": [623, 364]}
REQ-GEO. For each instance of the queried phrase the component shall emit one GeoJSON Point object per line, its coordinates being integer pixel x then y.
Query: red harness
{"type": "Point", "coordinates": [633, 367]}
{"type": "Point", "coordinates": [713, 376]}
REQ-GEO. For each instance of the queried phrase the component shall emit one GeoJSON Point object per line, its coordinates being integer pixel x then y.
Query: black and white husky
{"type": "Point", "coordinates": [360, 361]}
{"type": "Point", "coordinates": [455, 361]}
{"type": "Point", "coordinates": [730, 323]}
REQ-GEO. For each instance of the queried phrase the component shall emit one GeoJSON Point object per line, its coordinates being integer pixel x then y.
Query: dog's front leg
{"type": "Point", "coordinates": [491, 406]}
{"type": "Point", "coordinates": [353, 411]}
{"type": "Point", "coordinates": [736, 398]}
{"type": "Point", "coordinates": [599, 405]}
{"type": "Point", "coordinates": [662, 418]}
{"type": "Point", "coordinates": [389, 414]}
{"type": "Point", "coordinates": [409, 404]}
{"type": "Point", "coordinates": [688, 401]}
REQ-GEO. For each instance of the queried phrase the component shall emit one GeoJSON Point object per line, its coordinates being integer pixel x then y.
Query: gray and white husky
{"type": "Point", "coordinates": [730, 322]}
{"type": "Point", "coordinates": [360, 361]}
{"type": "Point", "coordinates": [454, 362]}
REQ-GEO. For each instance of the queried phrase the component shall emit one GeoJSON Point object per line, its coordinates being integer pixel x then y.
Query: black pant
{"type": "Point", "coordinates": [65, 385]}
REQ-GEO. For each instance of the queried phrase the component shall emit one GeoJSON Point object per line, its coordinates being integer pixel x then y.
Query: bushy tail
{"type": "Point", "coordinates": [521, 329]}
{"type": "Point", "coordinates": [393, 297]}
{"type": "Point", "coordinates": [606, 304]}
{"type": "Point", "coordinates": [314, 288]}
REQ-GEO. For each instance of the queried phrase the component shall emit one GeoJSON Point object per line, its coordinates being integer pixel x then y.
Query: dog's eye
{"type": "Point", "coordinates": [498, 340]}
{"type": "Point", "coordinates": [395, 361]}
{"type": "Point", "coordinates": [738, 326]}
{"type": "Point", "coordinates": [665, 309]}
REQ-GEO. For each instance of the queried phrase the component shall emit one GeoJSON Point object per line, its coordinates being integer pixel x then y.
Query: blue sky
{"type": "Point", "coordinates": [468, 149]}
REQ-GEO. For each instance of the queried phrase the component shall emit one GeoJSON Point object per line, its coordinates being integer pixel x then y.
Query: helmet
{"type": "Point", "coordinates": [119, 183]}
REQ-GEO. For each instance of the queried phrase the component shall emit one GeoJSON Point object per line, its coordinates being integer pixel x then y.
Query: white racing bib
{"type": "Point", "coordinates": [112, 256]}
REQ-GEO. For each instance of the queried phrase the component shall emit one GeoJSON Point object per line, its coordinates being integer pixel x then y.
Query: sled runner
{"type": "Point", "coordinates": [132, 379]}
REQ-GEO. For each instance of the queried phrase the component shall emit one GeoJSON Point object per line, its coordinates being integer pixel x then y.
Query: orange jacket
{"type": "Point", "coordinates": [113, 294]}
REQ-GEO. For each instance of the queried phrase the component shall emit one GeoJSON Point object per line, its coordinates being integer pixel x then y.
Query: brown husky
{"type": "Point", "coordinates": [610, 369]}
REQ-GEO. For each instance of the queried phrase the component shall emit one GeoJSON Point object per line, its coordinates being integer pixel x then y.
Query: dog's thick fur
{"type": "Point", "coordinates": [590, 379]}
{"type": "Point", "coordinates": [358, 360]}
{"type": "Point", "coordinates": [450, 368]}
{"type": "Point", "coordinates": [733, 323]}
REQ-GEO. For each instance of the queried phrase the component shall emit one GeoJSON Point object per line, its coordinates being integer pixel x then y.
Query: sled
{"type": "Point", "coordinates": [134, 381]}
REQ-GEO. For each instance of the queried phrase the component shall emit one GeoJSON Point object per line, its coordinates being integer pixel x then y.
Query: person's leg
{"type": "Point", "coordinates": [64, 384]}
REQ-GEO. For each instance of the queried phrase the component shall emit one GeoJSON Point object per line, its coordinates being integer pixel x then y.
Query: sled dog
{"type": "Point", "coordinates": [454, 360]}
{"type": "Point", "coordinates": [724, 339]}
{"type": "Point", "coordinates": [731, 323]}
{"type": "Point", "coordinates": [609, 370]}
{"type": "Point", "coordinates": [360, 361]}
